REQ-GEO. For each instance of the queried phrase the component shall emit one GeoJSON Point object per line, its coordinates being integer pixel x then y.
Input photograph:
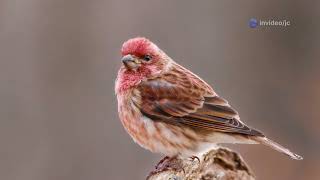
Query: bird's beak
{"type": "Point", "coordinates": [130, 62]}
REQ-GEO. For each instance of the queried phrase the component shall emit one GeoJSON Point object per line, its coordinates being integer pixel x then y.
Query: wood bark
{"type": "Point", "coordinates": [218, 164]}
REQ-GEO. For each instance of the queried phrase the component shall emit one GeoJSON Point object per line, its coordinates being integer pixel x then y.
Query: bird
{"type": "Point", "coordinates": [168, 109]}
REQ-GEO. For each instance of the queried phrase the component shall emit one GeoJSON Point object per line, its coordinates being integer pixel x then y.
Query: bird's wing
{"type": "Point", "coordinates": [183, 99]}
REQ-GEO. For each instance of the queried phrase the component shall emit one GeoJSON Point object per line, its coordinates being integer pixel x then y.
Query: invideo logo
{"type": "Point", "coordinates": [253, 23]}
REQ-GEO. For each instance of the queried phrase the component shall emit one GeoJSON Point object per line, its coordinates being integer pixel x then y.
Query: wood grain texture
{"type": "Point", "coordinates": [218, 164]}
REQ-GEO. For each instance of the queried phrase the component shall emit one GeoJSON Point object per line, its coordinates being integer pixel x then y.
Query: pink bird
{"type": "Point", "coordinates": [168, 109]}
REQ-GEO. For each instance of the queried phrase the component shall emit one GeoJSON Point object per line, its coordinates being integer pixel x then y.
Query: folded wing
{"type": "Point", "coordinates": [183, 99]}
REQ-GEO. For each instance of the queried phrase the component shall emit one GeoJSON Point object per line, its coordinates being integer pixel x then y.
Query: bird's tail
{"type": "Point", "coordinates": [277, 147]}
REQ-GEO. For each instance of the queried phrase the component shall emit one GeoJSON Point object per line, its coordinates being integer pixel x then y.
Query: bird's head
{"type": "Point", "coordinates": [140, 55]}
{"type": "Point", "coordinates": [140, 59]}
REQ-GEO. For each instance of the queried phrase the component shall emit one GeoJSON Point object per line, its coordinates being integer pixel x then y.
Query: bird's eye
{"type": "Point", "coordinates": [147, 57]}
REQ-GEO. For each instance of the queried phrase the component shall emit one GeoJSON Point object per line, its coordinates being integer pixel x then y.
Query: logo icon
{"type": "Point", "coordinates": [253, 23]}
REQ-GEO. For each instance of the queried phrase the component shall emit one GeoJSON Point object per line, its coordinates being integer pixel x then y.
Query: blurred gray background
{"type": "Point", "coordinates": [59, 60]}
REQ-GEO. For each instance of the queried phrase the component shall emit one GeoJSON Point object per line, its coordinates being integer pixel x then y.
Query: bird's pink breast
{"type": "Point", "coordinates": [152, 135]}
{"type": "Point", "coordinates": [129, 79]}
{"type": "Point", "coordinates": [126, 80]}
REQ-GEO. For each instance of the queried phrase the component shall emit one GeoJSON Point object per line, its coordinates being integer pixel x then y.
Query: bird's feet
{"type": "Point", "coordinates": [161, 162]}
{"type": "Point", "coordinates": [168, 163]}
{"type": "Point", "coordinates": [192, 158]}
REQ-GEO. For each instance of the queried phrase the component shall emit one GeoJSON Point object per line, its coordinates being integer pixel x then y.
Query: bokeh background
{"type": "Point", "coordinates": [59, 60]}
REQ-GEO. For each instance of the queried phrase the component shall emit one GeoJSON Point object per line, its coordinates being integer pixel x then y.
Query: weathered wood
{"type": "Point", "coordinates": [218, 164]}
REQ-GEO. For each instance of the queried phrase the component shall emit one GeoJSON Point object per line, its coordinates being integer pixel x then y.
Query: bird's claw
{"type": "Point", "coordinates": [195, 157]}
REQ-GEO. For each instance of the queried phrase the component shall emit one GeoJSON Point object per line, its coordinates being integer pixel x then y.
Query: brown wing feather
{"type": "Point", "coordinates": [183, 99]}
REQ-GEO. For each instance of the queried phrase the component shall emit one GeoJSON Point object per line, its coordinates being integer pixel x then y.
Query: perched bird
{"type": "Point", "coordinates": [168, 109]}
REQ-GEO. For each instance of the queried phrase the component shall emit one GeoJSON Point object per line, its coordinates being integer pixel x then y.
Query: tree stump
{"type": "Point", "coordinates": [217, 164]}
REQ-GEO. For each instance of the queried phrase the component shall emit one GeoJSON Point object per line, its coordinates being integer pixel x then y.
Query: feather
{"type": "Point", "coordinates": [181, 98]}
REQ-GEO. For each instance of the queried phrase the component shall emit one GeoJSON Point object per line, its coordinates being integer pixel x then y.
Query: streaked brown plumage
{"type": "Point", "coordinates": [168, 109]}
